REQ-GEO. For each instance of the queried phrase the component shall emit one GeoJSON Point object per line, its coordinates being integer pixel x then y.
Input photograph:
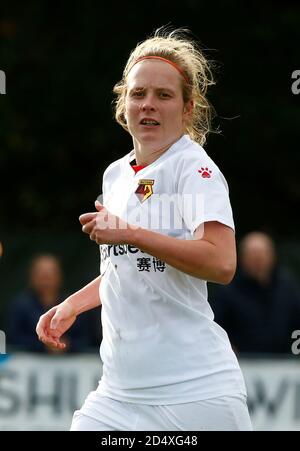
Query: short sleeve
{"type": "Point", "coordinates": [203, 193]}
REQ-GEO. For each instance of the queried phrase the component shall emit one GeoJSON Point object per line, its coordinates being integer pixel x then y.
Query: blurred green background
{"type": "Point", "coordinates": [57, 132]}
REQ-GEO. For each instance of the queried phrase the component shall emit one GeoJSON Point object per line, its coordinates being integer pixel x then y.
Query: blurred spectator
{"type": "Point", "coordinates": [45, 291]}
{"type": "Point", "coordinates": [261, 307]}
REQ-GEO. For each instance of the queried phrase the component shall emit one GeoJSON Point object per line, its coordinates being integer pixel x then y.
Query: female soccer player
{"type": "Point", "coordinates": [165, 228]}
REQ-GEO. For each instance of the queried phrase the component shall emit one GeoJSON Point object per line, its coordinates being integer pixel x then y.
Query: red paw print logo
{"type": "Point", "coordinates": [205, 173]}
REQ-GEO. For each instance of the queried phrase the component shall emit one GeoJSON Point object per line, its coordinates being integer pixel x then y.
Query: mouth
{"type": "Point", "coordinates": [149, 122]}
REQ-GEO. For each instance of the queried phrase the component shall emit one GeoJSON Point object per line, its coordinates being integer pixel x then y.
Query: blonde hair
{"type": "Point", "coordinates": [181, 50]}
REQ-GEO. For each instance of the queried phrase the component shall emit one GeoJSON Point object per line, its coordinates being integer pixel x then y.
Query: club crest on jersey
{"type": "Point", "coordinates": [144, 190]}
{"type": "Point", "coordinates": [205, 173]}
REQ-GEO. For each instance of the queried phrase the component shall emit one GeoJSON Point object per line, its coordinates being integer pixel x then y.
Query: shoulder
{"type": "Point", "coordinates": [191, 154]}
{"type": "Point", "coordinates": [114, 167]}
{"type": "Point", "coordinates": [287, 279]}
{"type": "Point", "coordinates": [23, 302]}
{"type": "Point", "coordinates": [24, 298]}
{"type": "Point", "coordinates": [193, 161]}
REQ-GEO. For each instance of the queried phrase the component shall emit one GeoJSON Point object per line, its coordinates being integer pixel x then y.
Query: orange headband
{"type": "Point", "coordinates": [162, 59]}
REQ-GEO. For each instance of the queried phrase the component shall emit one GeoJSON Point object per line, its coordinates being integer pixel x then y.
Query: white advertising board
{"type": "Point", "coordinates": [42, 392]}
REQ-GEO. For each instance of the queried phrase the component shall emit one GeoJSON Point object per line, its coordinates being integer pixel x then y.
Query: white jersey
{"type": "Point", "coordinates": [160, 342]}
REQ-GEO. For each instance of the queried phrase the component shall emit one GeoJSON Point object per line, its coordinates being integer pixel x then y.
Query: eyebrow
{"type": "Point", "coordinates": [141, 88]}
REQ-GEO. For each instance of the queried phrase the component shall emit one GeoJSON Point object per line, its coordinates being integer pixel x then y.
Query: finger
{"type": "Point", "coordinates": [41, 328]}
{"type": "Point", "coordinates": [55, 320]}
{"type": "Point", "coordinates": [41, 335]}
{"type": "Point", "coordinates": [53, 339]}
{"type": "Point", "coordinates": [88, 228]}
{"type": "Point", "coordinates": [99, 206]}
{"type": "Point", "coordinates": [55, 345]}
{"type": "Point", "coordinates": [48, 341]}
{"type": "Point", "coordinates": [60, 346]}
{"type": "Point", "coordinates": [87, 217]}
{"type": "Point", "coordinates": [54, 332]}
{"type": "Point", "coordinates": [38, 329]}
{"type": "Point", "coordinates": [94, 236]}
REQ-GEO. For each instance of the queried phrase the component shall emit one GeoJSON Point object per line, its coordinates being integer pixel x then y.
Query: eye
{"type": "Point", "coordinates": [137, 93]}
{"type": "Point", "coordinates": [164, 95]}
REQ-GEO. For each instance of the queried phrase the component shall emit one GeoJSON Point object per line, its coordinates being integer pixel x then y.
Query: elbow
{"type": "Point", "coordinates": [226, 274]}
{"type": "Point", "coordinates": [228, 268]}
{"type": "Point", "coordinates": [222, 275]}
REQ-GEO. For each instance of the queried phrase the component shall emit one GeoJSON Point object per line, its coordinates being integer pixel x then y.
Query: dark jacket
{"type": "Point", "coordinates": [259, 319]}
{"type": "Point", "coordinates": [22, 318]}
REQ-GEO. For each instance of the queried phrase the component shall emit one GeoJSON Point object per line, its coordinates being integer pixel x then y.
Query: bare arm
{"type": "Point", "coordinates": [86, 298]}
{"type": "Point", "coordinates": [211, 256]}
{"type": "Point", "coordinates": [54, 323]}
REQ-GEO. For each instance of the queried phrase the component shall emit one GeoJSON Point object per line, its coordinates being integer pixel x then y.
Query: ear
{"type": "Point", "coordinates": [188, 110]}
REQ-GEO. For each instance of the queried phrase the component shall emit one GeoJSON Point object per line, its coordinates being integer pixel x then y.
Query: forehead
{"type": "Point", "coordinates": [45, 263]}
{"type": "Point", "coordinates": [155, 73]}
{"type": "Point", "coordinates": [257, 244]}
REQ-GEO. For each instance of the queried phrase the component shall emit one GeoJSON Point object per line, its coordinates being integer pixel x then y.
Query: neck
{"type": "Point", "coordinates": [146, 154]}
{"type": "Point", "coordinates": [48, 297]}
{"type": "Point", "coordinates": [263, 278]}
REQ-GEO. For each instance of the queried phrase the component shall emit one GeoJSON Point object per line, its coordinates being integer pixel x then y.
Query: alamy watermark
{"type": "Point", "coordinates": [2, 342]}
{"type": "Point", "coordinates": [162, 212]}
{"type": "Point", "coordinates": [2, 82]}
{"type": "Point", "coordinates": [296, 343]}
{"type": "Point", "coordinates": [296, 84]}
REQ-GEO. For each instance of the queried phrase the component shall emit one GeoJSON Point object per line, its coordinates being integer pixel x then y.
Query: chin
{"type": "Point", "coordinates": [148, 137]}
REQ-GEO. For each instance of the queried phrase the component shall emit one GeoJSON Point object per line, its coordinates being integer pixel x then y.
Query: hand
{"type": "Point", "coordinates": [52, 350]}
{"type": "Point", "coordinates": [54, 323]}
{"type": "Point", "coordinates": [106, 228]}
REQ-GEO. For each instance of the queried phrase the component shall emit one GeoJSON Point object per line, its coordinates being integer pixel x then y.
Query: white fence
{"type": "Point", "coordinates": [41, 392]}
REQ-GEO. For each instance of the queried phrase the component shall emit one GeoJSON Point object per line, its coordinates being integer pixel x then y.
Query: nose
{"type": "Point", "coordinates": [148, 104]}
